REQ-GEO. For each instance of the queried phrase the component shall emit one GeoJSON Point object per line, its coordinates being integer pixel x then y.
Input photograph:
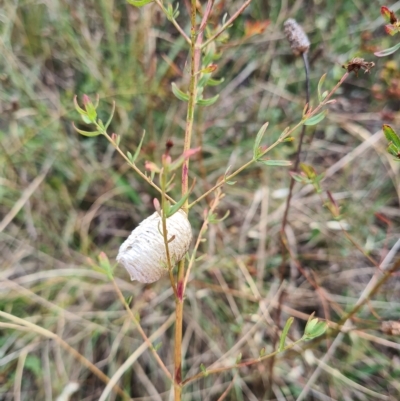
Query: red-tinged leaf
{"type": "Point", "coordinates": [191, 152]}
{"type": "Point", "coordinates": [391, 30]}
{"type": "Point", "coordinates": [385, 13]}
{"type": "Point", "coordinates": [151, 167]}
{"type": "Point", "coordinates": [255, 28]}
{"type": "Point", "coordinates": [157, 206]}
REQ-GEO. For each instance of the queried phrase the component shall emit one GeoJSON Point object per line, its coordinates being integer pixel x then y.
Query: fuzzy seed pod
{"type": "Point", "coordinates": [297, 38]}
{"type": "Point", "coordinates": [143, 253]}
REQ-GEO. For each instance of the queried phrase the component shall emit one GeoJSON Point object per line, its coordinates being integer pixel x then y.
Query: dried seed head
{"type": "Point", "coordinates": [357, 64]}
{"type": "Point", "coordinates": [143, 253]}
{"type": "Point", "coordinates": [297, 38]}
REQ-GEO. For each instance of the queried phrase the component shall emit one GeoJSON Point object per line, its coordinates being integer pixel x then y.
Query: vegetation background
{"type": "Point", "coordinates": [65, 198]}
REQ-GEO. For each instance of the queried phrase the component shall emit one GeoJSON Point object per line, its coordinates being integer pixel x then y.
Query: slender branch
{"type": "Point", "coordinates": [298, 154]}
{"type": "Point", "coordinates": [133, 165]}
{"type": "Point", "coordinates": [287, 134]}
{"type": "Point", "coordinates": [200, 236]}
{"type": "Point", "coordinates": [195, 54]}
{"type": "Point", "coordinates": [185, 188]}
{"type": "Point", "coordinates": [239, 365]}
{"type": "Point", "coordinates": [226, 392]}
{"type": "Point", "coordinates": [173, 20]}
{"type": "Point", "coordinates": [141, 331]}
{"type": "Point", "coordinates": [226, 25]}
{"type": "Point", "coordinates": [163, 180]}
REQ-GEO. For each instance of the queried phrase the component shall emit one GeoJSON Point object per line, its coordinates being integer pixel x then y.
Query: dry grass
{"type": "Point", "coordinates": [65, 198]}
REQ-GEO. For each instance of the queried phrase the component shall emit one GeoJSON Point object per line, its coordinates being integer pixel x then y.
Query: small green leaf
{"type": "Point", "coordinates": [170, 12]}
{"type": "Point", "coordinates": [86, 133]}
{"type": "Point", "coordinates": [393, 150]}
{"type": "Point", "coordinates": [215, 82]}
{"type": "Point", "coordinates": [92, 114]}
{"type": "Point", "coordinates": [257, 142]}
{"type": "Point", "coordinates": [137, 151]}
{"type": "Point", "coordinates": [203, 369]}
{"type": "Point", "coordinates": [319, 329]}
{"type": "Point", "coordinates": [207, 102]}
{"type": "Point", "coordinates": [387, 52]}
{"type": "Point", "coordinates": [111, 116]}
{"type": "Point", "coordinates": [212, 219]}
{"type": "Point", "coordinates": [391, 136]}
{"type": "Point", "coordinates": [288, 139]}
{"type": "Point", "coordinates": [86, 119]}
{"type": "Point", "coordinates": [308, 170]}
{"type": "Point", "coordinates": [178, 93]}
{"type": "Point", "coordinates": [316, 119]}
{"type": "Point", "coordinates": [174, 208]}
{"type": "Point", "coordinates": [239, 358]}
{"type": "Point", "coordinates": [157, 346]}
{"type": "Point", "coordinates": [230, 182]}
{"type": "Point", "coordinates": [314, 328]}
{"type": "Point", "coordinates": [129, 156]}
{"type": "Point", "coordinates": [282, 163]}
{"type": "Point", "coordinates": [298, 177]}
{"type": "Point", "coordinates": [284, 334]}
{"type": "Point", "coordinates": [262, 352]}
{"type": "Point", "coordinates": [139, 3]}
{"type": "Point", "coordinates": [78, 108]}
{"type": "Point", "coordinates": [320, 83]}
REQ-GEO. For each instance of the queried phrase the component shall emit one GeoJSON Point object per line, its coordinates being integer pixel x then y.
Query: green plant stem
{"type": "Point", "coordinates": [177, 26]}
{"type": "Point", "coordinates": [239, 365]}
{"type": "Point", "coordinates": [227, 24]}
{"type": "Point", "coordinates": [195, 54]}
{"type": "Point", "coordinates": [164, 206]}
{"type": "Point", "coordinates": [203, 229]}
{"type": "Point", "coordinates": [133, 165]}
{"type": "Point", "coordinates": [287, 134]}
{"type": "Point", "coordinates": [297, 160]}
{"type": "Point", "coordinates": [185, 188]}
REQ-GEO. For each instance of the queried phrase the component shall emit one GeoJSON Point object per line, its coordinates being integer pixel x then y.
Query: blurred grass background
{"type": "Point", "coordinates": [64, 198]}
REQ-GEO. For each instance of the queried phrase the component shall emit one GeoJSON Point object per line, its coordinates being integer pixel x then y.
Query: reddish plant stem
{"type": "Point", "coordinates": [195, 54]}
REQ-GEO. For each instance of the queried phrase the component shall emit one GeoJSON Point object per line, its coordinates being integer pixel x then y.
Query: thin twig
{"type": "Point", "coordinates": [140, 329]}
{"type": "Point", "coordinates": [226, 25]}
{"type": "Point", "coordinates": [177, 26]}
{"type": "Point", "coordinates": [297, 160]}
{"type": "Point", "coordinates": [287, 134]}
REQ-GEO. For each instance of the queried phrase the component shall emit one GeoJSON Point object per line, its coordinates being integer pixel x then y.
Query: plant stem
{"type": "Point", "coordinates": [141, 331]}
{"type": "Point", "coordinates": [226, 25]}
{"type": "Point", "coordinates": [194, 59]}
{"type": "Point", "coordinates": [287, 134]}
{"type": "Point", "coordinates": [177, 26]}
{"type": "Point", "coordinates": [163, 180]}
{"type": "Point", "coordinates": [297, 161]}
{"type": "Point", "coordinates": [239, 365]}
{"type": "Point", "coordinates": [133, 165]}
